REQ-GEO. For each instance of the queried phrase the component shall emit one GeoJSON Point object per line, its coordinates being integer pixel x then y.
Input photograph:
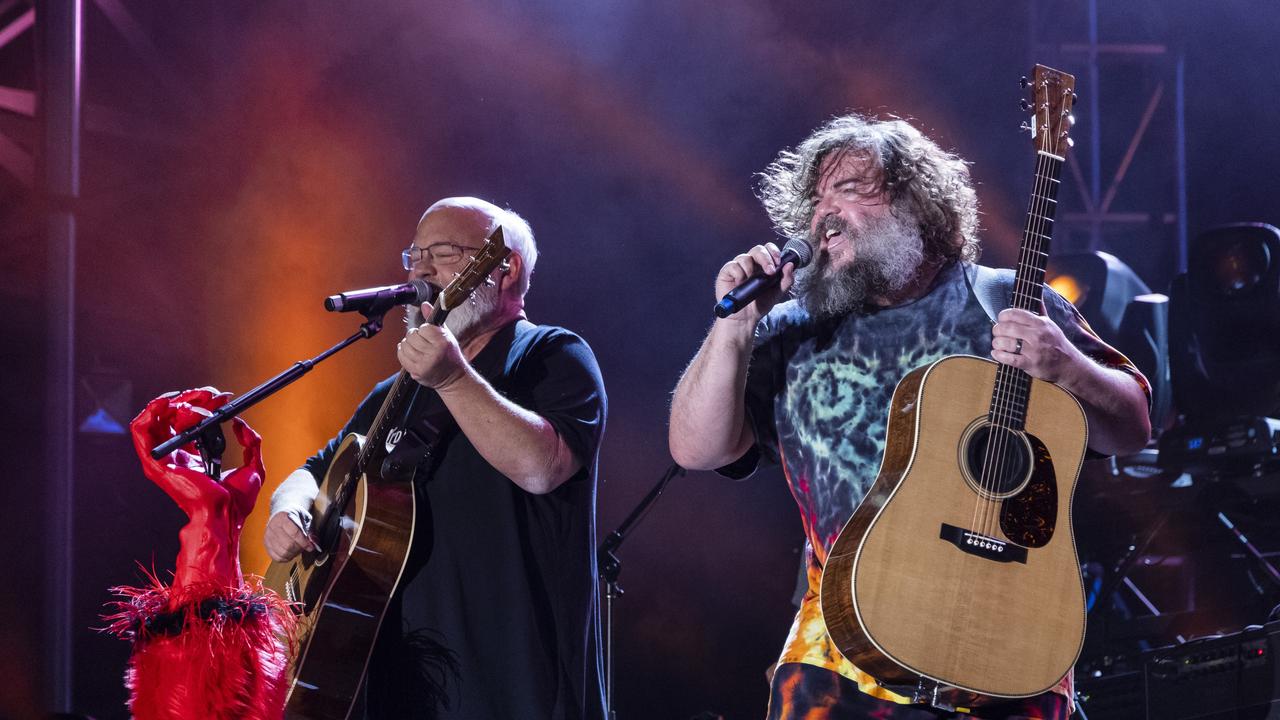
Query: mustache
{"type": "Point", "coordinates": [826, 225]}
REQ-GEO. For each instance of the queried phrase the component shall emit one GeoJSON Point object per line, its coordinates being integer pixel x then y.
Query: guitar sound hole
{"type": "Point", "coordinates": [1007, 454]}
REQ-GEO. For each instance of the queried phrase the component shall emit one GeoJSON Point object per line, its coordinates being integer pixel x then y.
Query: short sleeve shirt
{"type": "Point", "coordinates": [818, 397]}
{"type": "Point", "coordinates": [496, 615]}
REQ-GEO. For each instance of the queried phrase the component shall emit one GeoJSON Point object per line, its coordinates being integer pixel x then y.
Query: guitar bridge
{"type": "Point", "coordinates": [984, 546]}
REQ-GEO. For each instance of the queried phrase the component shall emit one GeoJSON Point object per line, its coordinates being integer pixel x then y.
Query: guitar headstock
{"type": "Point", "coordinates": [1050, 96]}
{"type": "Point", "coordinates": [486, 259]}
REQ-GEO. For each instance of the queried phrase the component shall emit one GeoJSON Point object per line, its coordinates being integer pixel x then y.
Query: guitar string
{"type": "Point", "coordinates": [1011, 387]}
{"type": "Point", "coordinates": [1014, 380]}
{"type": "Point", "coordinates": [1005, 390]}
{"type": "Point", "coordinates": [1030, 285]}
{"type": "Point", "coordinates": [993, 464]}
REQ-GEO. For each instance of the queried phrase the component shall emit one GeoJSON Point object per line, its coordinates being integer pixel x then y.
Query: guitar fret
{"type": "Point", "coordinates": [1013, 386]}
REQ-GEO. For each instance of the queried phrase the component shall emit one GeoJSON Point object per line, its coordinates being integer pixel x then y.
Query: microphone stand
{"type": "Point", "coordinates": [610, 567]}
{"type": "Point", "coordinates": [208, 435]}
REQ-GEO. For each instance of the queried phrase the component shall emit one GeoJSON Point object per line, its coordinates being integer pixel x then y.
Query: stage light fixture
{"type": "Point", "coordinates": [1226, 325]}
{"type": "Point", "coordinates": [1124, 312]}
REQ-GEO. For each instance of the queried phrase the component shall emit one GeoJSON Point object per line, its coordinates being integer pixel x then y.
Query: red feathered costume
{"type": "Point", "coordinates": [211, 645]}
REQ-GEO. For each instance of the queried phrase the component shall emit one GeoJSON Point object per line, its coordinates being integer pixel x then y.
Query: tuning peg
{"type": "Point", "coordinates": [1071, 120]}
{"type": "Point", "coordinates": [1026, 104]}
{"type": "Point", "coordinates": [1024, 82]}
{"type": "Point", "coordinates": [1071, 143]}
{"type": "Point", "coordinates": [1074, 97]}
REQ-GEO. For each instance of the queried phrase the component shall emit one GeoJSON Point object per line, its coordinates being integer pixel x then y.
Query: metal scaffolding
{"type": "Point", "coordinates": [1162, 67]}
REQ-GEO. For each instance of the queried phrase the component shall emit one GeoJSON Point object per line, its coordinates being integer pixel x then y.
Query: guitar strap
{"type": "Point", "coordinates": [427, 420]}
{"type": "Point", "coordinates": [428, 428]}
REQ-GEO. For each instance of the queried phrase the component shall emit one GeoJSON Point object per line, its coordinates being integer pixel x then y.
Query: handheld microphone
{"type": "Point", "coordinates": [375, 300]}
{"type": "Point", "coordinates": [796, 251]}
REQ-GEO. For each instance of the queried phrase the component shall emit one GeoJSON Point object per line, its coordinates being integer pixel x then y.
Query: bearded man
{"type": "Point", "coordinates": [892, 221]}
{"type": "Point", "coordinates": [496, 616]}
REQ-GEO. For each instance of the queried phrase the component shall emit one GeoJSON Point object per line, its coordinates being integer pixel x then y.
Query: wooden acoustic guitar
{"type": "Point", "coordinates": [364, 516]}
{"type": "Point", "coordinates": [959, 568]}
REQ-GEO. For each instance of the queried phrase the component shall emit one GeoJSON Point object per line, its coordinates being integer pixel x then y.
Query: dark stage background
{"type": "Point", "coordinates": [243, 159]}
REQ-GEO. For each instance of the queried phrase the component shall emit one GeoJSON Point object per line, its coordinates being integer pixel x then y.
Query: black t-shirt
{"type": "Point", "coordinates": [497, 612]}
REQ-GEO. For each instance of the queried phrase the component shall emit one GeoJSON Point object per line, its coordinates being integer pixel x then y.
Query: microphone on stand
{"type": "Point", "coordinates": [796, 251]}
{"type": "Point", "coordinates": [377, 300]}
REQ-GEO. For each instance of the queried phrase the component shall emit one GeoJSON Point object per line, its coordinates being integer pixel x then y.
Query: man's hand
{"type": "Point", "coordinates": [1033, 343]}
{"type": "Point", "coordinates": [286, 536]}
{"type": "Point", "coordinates": [430, 354]}
{"type": "Point", "coordinates": [736, 271]}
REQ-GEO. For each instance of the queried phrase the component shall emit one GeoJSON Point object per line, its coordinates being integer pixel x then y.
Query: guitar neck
{"type": "Point", "coordinates": [1013, 386]}
{"type": "Point", "coordinates": [1028, 285]}
{"type": "Point", "coordinates": [403, 390]}
{"type": "Point", "coordinates": [1052, 93]}
{"type": "Point", "coordinates": [394, 407]}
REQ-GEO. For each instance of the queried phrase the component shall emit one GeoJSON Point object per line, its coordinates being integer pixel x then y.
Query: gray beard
{"type": "Point", "coordinates": [464, 318]}
{"type": "Point", "coordinates": [888, 254]}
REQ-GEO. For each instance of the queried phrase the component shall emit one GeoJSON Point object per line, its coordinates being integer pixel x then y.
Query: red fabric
{"type": "Point", "coordinates": [211, 645]}
{"type": "Point", "coordinates": [205, 652]}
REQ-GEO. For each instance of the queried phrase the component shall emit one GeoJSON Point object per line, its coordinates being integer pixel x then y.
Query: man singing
{"type": "Point", "coordinates": [892, 219]}
{"type": "Point", "coordinates": [496, 615]}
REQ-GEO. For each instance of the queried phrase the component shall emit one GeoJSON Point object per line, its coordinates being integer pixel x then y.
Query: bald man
{"type": "Point", "coordinates": [496, 615]}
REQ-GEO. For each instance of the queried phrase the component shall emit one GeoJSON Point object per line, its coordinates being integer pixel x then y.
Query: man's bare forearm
{"type": "Point", "coordinates": [517, 442]}
{"type": "Point", "coordinates": [1115, 406]}
{"type": "Point", "coordinates": [708, 426]}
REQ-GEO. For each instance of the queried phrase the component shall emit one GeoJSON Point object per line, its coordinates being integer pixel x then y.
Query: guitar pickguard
{"type": "Point", "coordinates": [1029, 518]}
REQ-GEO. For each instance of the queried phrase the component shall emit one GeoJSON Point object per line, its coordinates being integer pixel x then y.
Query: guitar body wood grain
{"type": "Point", "coordinates": [345, 591]}
{"type": "Point", "coordinates": [902, 602]}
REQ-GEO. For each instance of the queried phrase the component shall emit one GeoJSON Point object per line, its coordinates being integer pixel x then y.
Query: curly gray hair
{"type": "Point", "coordinates": [918, 177]}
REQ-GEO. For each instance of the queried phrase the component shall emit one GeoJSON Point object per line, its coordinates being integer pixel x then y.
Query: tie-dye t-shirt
{"type": "Point", "coordinates": [818, 398]}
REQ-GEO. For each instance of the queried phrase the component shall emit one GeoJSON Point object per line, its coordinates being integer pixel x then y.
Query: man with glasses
{"type": "Point", "coordinates": [496, 615]}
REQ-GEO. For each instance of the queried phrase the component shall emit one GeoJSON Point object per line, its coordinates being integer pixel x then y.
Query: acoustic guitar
{"type": "Point", "coordinates": [959, 568]}
{"type": "Point", "coordinates": [364, 525]}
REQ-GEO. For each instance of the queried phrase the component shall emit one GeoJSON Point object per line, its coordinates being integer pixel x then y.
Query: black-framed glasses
{"type": "Point", "coordinates": [442, 253]}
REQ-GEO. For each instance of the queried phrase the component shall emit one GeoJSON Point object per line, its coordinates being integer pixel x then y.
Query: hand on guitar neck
{"type": "Point", "coordinates": [1034, 344]}
{"type": "Point", "coordinates": [1114, 404]}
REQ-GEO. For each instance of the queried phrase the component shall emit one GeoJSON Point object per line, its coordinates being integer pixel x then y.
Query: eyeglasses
{"type": "Point", "coordinates": [440, 253]}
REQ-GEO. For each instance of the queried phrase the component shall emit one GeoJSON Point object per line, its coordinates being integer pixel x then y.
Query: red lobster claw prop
{"type": "Point", "coordinates": [211, 645]}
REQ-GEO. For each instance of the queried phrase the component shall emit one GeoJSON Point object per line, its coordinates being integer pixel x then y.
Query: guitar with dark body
{"type": "Point", "coordinates": [364, 527]}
